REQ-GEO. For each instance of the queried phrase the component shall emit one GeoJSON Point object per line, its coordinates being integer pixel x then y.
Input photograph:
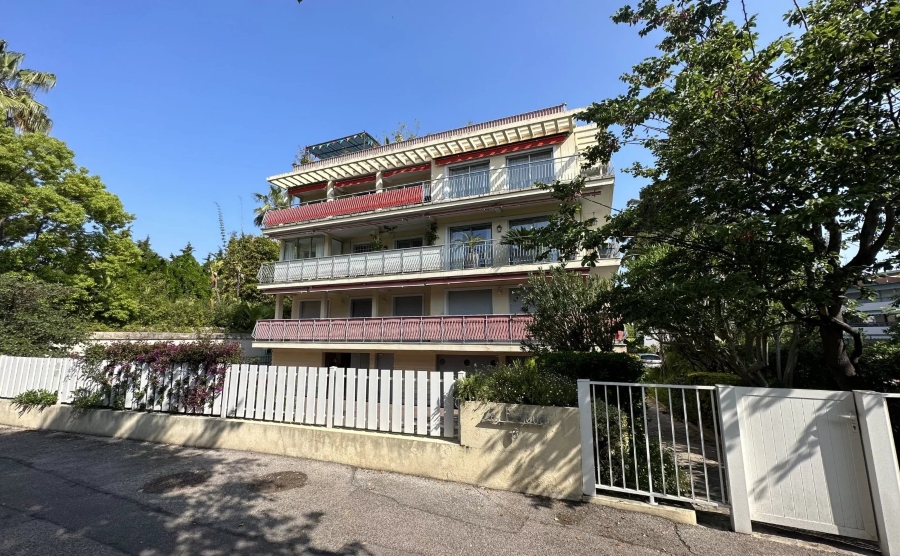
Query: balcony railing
{"type": "Point", "coordinates": [469, 329]}
{"type": "Point", "coordinates": [476, 184]}
{"type": "Point", "coordinates": [436, 258]}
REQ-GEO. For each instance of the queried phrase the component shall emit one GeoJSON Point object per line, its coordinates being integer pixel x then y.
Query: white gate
{"type": "Point", "coordinates": [802, 455]}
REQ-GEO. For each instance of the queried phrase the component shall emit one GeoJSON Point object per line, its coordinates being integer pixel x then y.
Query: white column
{"type": "Point", "coordinates": [734, 459]}
{"type": "Point", "coordinates": [881, 462]}
{"type": "Point", "coordinates": [329, 190]}
{"type": "Point", "coordinates": [279, 305]}
{"type": "Point", "coordinates": [379, 182]}
{"type": "Point", "coordinates": [586, 425]}
{"type": "Point", "coordinates": [295, 307]}
{"type": "Point", "coordinates": [323, 308]}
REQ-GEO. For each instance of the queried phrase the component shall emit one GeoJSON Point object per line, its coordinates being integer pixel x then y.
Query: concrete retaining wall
{"type": "Point", "coordinates": [534, 459]}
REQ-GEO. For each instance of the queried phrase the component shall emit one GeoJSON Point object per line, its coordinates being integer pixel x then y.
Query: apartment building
{"type": "Point", "coordinates": [392, 256]}
{"type": "Point", "coordinates": [877, 314]}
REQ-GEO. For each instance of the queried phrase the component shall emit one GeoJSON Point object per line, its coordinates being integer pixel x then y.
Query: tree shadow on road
{"type": "Point", "coordinates": [97, 489]}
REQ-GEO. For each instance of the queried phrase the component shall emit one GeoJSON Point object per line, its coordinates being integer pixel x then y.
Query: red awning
{"type": "Point", "coordinates": [355, 181]}
{"type": "Point", "coordinates": [504, 149]}
{"type": "Point", "coordinates": [307, 188]}
{"type": "Point", "coordinates": [407, 169]}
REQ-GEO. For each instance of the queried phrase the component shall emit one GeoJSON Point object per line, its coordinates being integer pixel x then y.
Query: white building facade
{"type": "Point", "coordinates": [394, 257]}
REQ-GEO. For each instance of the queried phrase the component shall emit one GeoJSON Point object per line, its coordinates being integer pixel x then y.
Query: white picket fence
{"type": "Point", "coordinates": [406, 402]}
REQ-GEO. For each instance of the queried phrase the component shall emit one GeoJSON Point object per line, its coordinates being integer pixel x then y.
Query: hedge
{"type": "Point", "coordinates": [600, 366]}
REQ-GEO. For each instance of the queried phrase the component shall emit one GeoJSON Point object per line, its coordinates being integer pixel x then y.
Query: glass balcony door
{"type": "Point", "coordinates": [522, 255]}
{"type": "Point", "coordinates": [468, 181]}
{"type": "Point", "coordinates": [525, 170]}
{"type": "Point", "coordinates": [470, 247]}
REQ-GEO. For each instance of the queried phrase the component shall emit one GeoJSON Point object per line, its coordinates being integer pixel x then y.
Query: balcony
{"type": "Point", "coordinates": [470, 329]}
{"type": "Point", "coordinates": [352, 204]}
{"type": "Point", "coordinates": [495, 181]}
{"type": "Point", "coordinates": [436, 258]}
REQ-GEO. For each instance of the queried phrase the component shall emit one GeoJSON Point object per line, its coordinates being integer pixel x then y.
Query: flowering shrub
{"type": "Point", "coordinates": [188, 375]}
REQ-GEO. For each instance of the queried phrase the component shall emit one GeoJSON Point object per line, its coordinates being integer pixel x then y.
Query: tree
{"type": "Point", "coordinates": [243, 257]}
{"type": "Point", "coordinates": [185, 276]}
{"type": "Point", "coordinates": [777, 164]}
{"type": "Point", "coordinates": [17, 89]}
{"type": "Point", "coordinates": [55, 218]}
{"type": "Point", "coordinates": [276, 198]}
{"type": "Point", "coordinates": [39, 319]}
{"type": "Point", "coordinates": [570, 312]}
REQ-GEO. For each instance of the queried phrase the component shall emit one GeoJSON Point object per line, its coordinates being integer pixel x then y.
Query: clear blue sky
{"type": "Point", "coordinates": [178, 104]}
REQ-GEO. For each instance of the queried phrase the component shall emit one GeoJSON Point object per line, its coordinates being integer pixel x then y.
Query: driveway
{"type": "Point", "coordinates": [70, 494]}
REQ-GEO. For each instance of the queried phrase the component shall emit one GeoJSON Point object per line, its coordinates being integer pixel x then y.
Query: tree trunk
{"type": "Point", "coordinates": [835, 353]}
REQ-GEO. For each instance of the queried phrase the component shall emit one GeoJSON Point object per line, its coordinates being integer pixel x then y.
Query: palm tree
{"type": "Point", "coordinates": [277, 198]}
{"type": "Point", "coordinates": [17, 90]}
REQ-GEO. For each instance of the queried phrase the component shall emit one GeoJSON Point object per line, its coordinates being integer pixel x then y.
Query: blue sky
{"type": "Point", "coordinates": [180, 104]}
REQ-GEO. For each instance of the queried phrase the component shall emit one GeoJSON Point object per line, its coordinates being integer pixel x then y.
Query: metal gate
{"type": "Point", "coordinates": [655, 440]}
{"type": "Point", "coordinates": [802, 455]}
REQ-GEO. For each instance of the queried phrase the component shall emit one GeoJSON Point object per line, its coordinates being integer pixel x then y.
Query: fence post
{"type": "Point", "coordinates": [881, 463]}
{"type": "Point", "coordinates": [586, 426]}
{"type": "Point", "coordinates": [729, 424]}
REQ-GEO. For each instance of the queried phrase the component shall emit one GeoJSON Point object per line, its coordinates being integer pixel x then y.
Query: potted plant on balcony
{"type": "Point", "coordinates": [471, 243]}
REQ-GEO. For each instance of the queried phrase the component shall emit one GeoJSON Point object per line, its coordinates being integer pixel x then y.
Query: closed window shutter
{"type": "Point", "coordinates": [472, 302]}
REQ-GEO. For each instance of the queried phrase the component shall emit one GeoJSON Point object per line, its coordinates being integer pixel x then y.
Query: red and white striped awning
{"type": "Point", "coordinates": [418, 153]}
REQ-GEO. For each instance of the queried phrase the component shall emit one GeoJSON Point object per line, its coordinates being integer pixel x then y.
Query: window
{"type": "Point", "coordinates": [361, 308]}
{"type": "Point", "coordinates": [466, 181]}
{"type": "Point", "coordinates": [471, 247]}
{"type": "Point", "coordinates": [470, 302]}
{"type": "Point", "coordinates": [362, 248]}
{"type": "Point", "coordinates": [384, 361]}
{"type": "Point", "coordinates": [311, 309]}
{"type": "Point", "coordinates": [359, 360]}
{"type": "Point", "coordinates": [408, 306]}
{"type": "Point", "coordinates": [408, 243]}
{"type": "Point", "coordinates": [527, 169]}
{"type": "Point", "coordinates": [521, 255]}
{"type": "Point", "coordinates": [515, 304]}
{"type": "Point", "coordinates": [304, 248]}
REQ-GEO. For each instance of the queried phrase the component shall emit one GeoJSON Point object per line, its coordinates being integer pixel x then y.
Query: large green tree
{"type": "Point", "coordinates": [55, 218]}
{"type": "Point", "coordinates": [775, 167]}
{"type": "Point", "coordinates": [186, 277]}
{"type": "Point", "coordinates": [39, 319]}
{"type": "Point", "coordinates": [236, 270]}
{"type": "Point", "coordinates": [18, 86]}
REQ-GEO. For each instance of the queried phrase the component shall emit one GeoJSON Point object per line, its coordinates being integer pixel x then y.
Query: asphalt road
{"type": "Point", "coordinates": [70, 494]}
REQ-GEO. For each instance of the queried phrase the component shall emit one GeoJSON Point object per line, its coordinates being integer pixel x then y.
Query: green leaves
{"type": "Point", "coordinates": [775, 177]}
{"type": "Point", "coordinates": [39, 319]}
{"type": "Point", "coordinates": [570, 312]}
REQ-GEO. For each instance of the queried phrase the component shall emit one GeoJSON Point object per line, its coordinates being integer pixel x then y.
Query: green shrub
{"type": "Point", "coordinates": [706, 397]}
{"type": "Point", "coordinates": [35, 398]}
{"type": "Point", "coordinates": [593, 365]}
{"type": "Point", "coordinates": [622, 453]}
{"type": "Point", "coordinates": [85, 398]}
{"type": "Point", "coordinates": [518, 383]}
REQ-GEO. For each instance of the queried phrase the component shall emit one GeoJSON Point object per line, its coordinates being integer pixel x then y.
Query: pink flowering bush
{"type": "Point", "coordinates": [189, 376]}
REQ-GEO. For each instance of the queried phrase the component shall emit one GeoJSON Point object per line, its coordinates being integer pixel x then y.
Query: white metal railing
{"type": "Point", "coordinates": [487, 182]}
{"type": "Point", "coordinates": [655, 440]}
{"type": "Point", "coordinates": [433, 258]}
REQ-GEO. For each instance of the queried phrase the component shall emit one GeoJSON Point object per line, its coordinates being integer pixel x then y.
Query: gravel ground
{"type": "Point", "coordinates": [71, 494]}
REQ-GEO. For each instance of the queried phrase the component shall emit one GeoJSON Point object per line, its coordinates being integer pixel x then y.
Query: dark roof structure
{"type": "Point", "coordinates": [345, 145]}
